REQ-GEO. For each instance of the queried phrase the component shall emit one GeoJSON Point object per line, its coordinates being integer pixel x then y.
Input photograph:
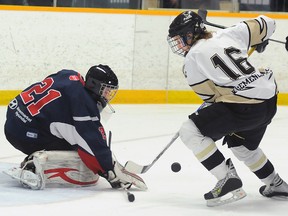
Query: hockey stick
{"type": "Point", "coordinates": [109, 139]}
{"type": "Point", "coordinates": [203, 14]}
{"type": "Point", "coordinates": [136, 168]}
{"type": "Point", "coordinates": [130, 196]}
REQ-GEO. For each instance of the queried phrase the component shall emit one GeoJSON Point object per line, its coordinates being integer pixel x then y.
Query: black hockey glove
{"type": "Point", "coordinates": [262, 46]}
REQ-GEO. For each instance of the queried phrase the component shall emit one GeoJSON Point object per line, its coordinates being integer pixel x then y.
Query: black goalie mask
{"type": "Point", "coordinates": [102, 84]}
{"type": "Point", "coordinates": [183, 31]}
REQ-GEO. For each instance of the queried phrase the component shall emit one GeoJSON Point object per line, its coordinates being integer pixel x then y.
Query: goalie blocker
{"type": "Point", "coordinates": [48, 168]}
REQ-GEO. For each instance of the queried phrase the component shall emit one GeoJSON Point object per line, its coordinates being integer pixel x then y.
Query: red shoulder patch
{"type": "Point", "coordinates": [77, 77]}
{"type": "Point", "coordinates": [74, 77]}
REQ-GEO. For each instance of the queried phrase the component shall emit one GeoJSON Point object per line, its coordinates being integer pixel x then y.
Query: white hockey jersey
{"type": "Point", "coordinates": [218, 70]}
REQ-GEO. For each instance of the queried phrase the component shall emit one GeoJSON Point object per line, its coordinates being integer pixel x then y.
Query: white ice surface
{"type": "Point", "coordinates": [139, 133]}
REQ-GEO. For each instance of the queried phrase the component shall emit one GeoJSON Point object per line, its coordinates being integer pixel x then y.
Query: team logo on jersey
{"type": "Point", "coordinates": [102, 131]}
{"type": "Point", "coordinates": [13, 104]}
{"type": "Point", "coordinates": [32, 135]}
{"type": "Point", "coordinates": [244, 85]}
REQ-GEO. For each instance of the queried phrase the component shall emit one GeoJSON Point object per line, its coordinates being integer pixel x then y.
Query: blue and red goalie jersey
{"type": "Point", "coordinates": [60, 114]}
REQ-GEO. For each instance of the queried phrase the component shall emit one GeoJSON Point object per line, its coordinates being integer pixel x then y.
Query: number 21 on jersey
{"type": "Point", "coordinates": [45, 91]}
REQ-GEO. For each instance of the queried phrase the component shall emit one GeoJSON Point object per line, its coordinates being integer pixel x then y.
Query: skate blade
{"type": "Point", "coordinates": [236, 195]}
{"type": "Point", "coordinates": [280, 198]}
{"type": "Point", "coordinates": [13, 172]}
{"type": "Point", "coordinates": [24, 177]}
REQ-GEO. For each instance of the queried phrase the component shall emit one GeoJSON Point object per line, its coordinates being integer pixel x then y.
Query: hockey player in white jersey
{"type": "Point", "coordinates": [242, 100]}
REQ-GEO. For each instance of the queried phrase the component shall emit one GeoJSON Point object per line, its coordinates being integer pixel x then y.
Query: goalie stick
{"type": "Point", "coordinates": [136, 168]}
{"type": "Point", "coordinates": [130, 196]}
{"type": "Point", "coordinates": [203, 14]}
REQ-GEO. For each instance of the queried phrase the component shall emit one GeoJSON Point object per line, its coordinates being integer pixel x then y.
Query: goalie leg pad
{"type": "Point", "coordinates": [54, 168]}
{"type": "Point", "coordinates": [65, 168]}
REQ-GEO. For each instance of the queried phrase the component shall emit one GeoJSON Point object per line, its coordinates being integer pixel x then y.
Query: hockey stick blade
{"type": "Point", "coordinates": [133, 167]}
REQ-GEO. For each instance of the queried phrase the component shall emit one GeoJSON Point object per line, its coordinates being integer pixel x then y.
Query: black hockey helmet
{"type": "Point", "coordinates": [183, 31]}
{"type": "Point", "coordinates": [102, 83]}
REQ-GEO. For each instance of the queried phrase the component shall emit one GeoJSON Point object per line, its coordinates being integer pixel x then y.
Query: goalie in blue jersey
{"type": "Point", "coordinates": [56, 123]}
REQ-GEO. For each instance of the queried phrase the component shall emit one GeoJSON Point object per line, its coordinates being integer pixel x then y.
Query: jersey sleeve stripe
{"type": "Point", "coordinates": [86, 118]}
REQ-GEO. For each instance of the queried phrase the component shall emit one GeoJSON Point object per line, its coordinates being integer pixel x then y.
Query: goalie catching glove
{"type": "Point", "coordinates": [119, 177]}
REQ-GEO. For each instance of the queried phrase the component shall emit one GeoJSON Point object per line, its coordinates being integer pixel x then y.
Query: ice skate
{"type": "Point", "coordinates": [29, 174]}
{"type": "Point", "coordinates": [230, 184]}
{"type": "Point", "coordinates": [277, 189]}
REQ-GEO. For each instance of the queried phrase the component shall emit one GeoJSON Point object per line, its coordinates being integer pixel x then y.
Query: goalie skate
{"type": "Point", "coordinates": [30, 174]}
{"type": "Point", "coordinates": [26, 178]}
{"type": "Point", "coordinates": [230, 185]}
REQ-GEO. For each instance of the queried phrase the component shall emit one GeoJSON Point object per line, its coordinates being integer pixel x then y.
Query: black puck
{"type": "Point", "coordinates": [131, 197]}
{"type": "Point", "coordinates": [176, 167]}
